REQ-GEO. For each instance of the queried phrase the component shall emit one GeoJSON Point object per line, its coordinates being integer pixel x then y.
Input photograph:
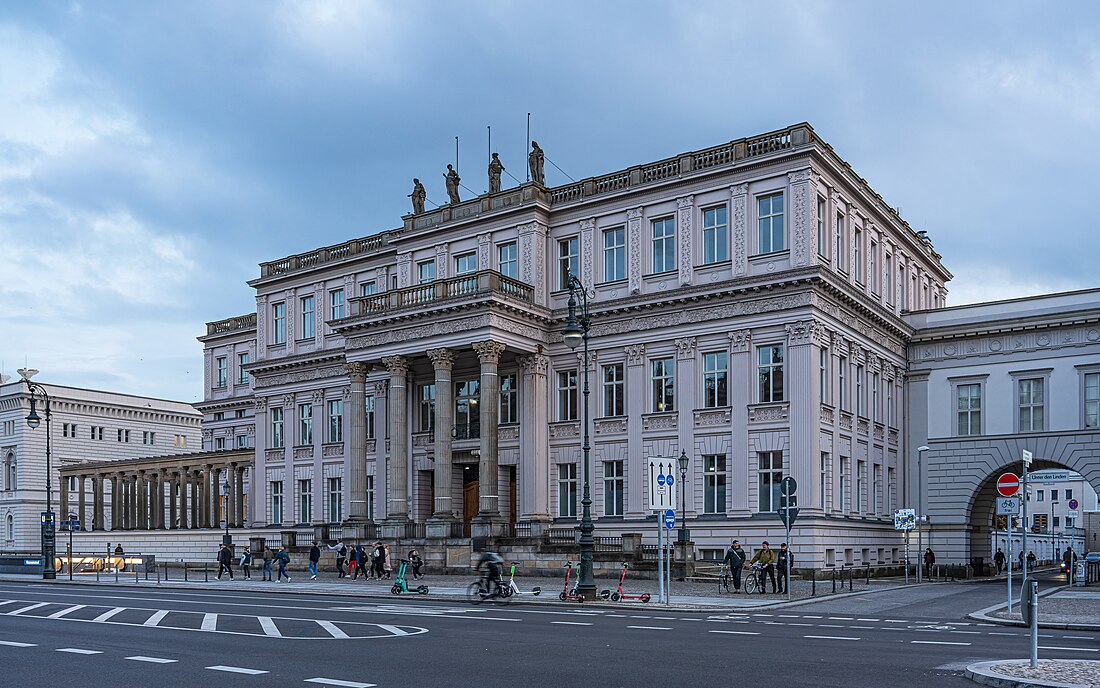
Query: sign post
{"type": "Point", "coordinates": [905, 519]}
{"type": "Point", "coordinates": [669, 518]}
{"type": "Point", "coordinates": [1009, 507]}
{"type": "Point", "coordinates": [662, 501]}
{"type": "Point", "coordinates": [1025, 456]}
{"type": "Point", "coordinates": [788, 512]}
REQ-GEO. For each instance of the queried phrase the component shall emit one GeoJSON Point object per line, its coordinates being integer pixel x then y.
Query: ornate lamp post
{"type": "Point", "coordinates": [49, 569]}
{"type": "Point", "coordinates": [574, 335]}
{"type": "Point", "coordinates": [227, 538]}
{"type": "Point", "coordinates": [683, 461]}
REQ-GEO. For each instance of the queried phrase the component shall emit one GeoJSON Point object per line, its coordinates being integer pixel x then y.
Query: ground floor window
{"type": "Point", "coordinates": [714, 483]}
{"type": "Point", "coordinates": [567, 490]}
{"type": "Point", "coordinates": [335, 500]}
{"type": "Point", "coordinates": [277, 502]}
{"type": "Point", "coordinates": [771, 475]}
{"type": "Point", "coordinates": [613, 488]}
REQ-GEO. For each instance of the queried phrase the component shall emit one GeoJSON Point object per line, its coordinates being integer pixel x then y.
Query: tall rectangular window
{"type": "Point", "coordinates": [305, 424]}
{"type": "Point", "coordinates": [902, 286]}
{"type": "Point", "coordinates": [841, 258]}
{"type": "Point", "coordinates": [567, 490]}
{"type": "Point", "coordinates": [875, 415]}
{"type": "Point", "coordinates": [336, 304]}
{"type": "Point", "coordinates": [467, 411]}
{"type": "Point", "coordinates": [614, 390]}
{"type": "Point", "coordinates": [612, 488]}
{"type": "Point", "coordinates": [968, 399]}
{"type": "Point", "coordinates": [822, 242]}
{"type": "Point", "coordinates": [1031, 405]}
{"type": "Point", "coordinates": [861, 477]}
{"type": "Point", "coordinates": [842, 383]}
{"type": "Point", "coordinates": [614, 254]}
{"type": "Point", "coordinates": [568, 261]}
{"type": "Point", "coordinates": [857, 255]}
{"type": "Point", "coordinates": [1092, 400]}
{"type": "Point", "coordinates": [509, 399]}
{"type": "Point", "coordinates": [307, 318]}
{"type": "Point", "coordinates": [876, 489]}
{"type": "Point", "coordinates": [466, 263]}
{"type": "Point", "coordinates": [891, 490]}
{"type": "Point", "coordinates": [425, 271]}
{"type": "Point", "coordinates": [368, 288]}
{"type": "Point", "coordinates": [368, 402]}
{"type": "Point", "coordinates": [824, 479]}
{"type": "Point", "coordinates": [769, 373]}
{"type": "Point", "coordinates": [335, 420]}
{"type": "Point", "coordinates": [506, 259]}
{"type": "Point", "coordinates": [305, 501]}
{"type": "Point", "coordinates": [277, 427]}
{"type": "Point", "coordinates": [370, 496]}
{"type": "Point", "coordinates": [769, 221]}
{"type": "Point", "coordinates": [842, 501]}
{"type": "Point", "coordinates": [770, 472]}
{"type": "Point", "coordinates": [567, 395]}
{"type": "Point", "coordinates": [335, 500]}
{"type": "Point", "coordinates": [223, 371]}
{"type": "Point", "coordinates": [715, 379]}
{"type": "Point", "coordinates": [715, 235]}
{"type": "Point", "coordinates": [427, 408]}
{"type": "Point", "coordinates": [823, 375]}
{"type": "Point", "coordinates": [872, 268]}
{"type": "Point", "coordinates": [663, 378]}
{"type": "Point", "coordinates": [242, 374]}
{"type": "Point", "coordinates": [714, 483]}
{"type": "Point", "coordinates": [891, 410]}
{"type": "Point", "coordinates": [860, 410]}
{"type": "Point", "coordinates": [888, 278]}
{"type": "Point", "coordinates": [278, 323]}
{"type": "Point", "coordinates": [277, 502]}
{"type": "Point", "coordinates": [664, 245]}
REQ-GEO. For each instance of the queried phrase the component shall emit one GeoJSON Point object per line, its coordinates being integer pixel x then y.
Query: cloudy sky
{"type": "Point", "coordinates": [153, 153]}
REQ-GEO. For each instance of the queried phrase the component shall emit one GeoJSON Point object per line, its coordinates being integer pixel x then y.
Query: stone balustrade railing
{"type": "Point", "coordinates": [328, 254]}
{"type": "Point", "coordinates": [474, 284]}
{"type": "Point", "coordinates": [240, 322]}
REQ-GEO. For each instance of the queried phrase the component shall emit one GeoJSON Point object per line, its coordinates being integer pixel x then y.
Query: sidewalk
{"type": "Point", "coordinates": [686, 596]}
{"type": "Point", "coordinates": [1076, 609]}
{"type": "Point", "coordinates": [1056, 673]}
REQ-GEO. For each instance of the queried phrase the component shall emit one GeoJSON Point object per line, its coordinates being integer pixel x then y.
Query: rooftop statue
{"type": "Point", "coordinates": [534, 161]}
{"type": "Point", "coordinates": [418, 195]}
{"type": "Point", "coordinates": [452, 183]}
{"type": "Point", "coordinates": [495, 168]}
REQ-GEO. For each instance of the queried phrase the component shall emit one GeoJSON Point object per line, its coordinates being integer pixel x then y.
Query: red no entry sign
{"type": "Point", "coordinates": [1008, 484]}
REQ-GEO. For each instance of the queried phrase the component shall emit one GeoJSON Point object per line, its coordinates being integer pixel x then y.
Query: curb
{"type": "Point", "coordinates": [383, 593]}
{"type": "Point", "coordinates": [985, 615]}
{"type": "Point", "coordinates": [982, 673]}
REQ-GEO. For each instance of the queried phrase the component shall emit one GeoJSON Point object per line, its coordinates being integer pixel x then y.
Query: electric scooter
{"type": "Point", "coordinates": [566, 593]}
{"type": "Point", "coordinates": [401, 584]}
{"type": "Point", "coordinates": [513, 589]}
{"type": "Point", "coordinates": [619, 594]}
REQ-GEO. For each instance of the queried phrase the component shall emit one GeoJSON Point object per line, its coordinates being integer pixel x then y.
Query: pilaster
{"type": "Point", "coordinates": [397, 503]}
{"type": "Point", "coordinates": [635, 384]}
{"type": "Point", "coordinates": [739, 201]}
{"type": "Point", "coordinates": [740, 390]}
{"type": "Point", "coordinates": [534, 468]}
{"type": "Point", "coordinates": [685, 228]}
{"type": "Point", "coordinates": [443, 509]}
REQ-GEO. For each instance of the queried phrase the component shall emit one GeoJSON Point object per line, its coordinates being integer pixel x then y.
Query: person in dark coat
{"type": "Point", "coordinates": [999, 560]}
{"type": "Point", "coordinates": [783, 558]}
{"type": "Point", "coordinates": [225, 561]}
{"type": "Point", "coordinates": [314, 560]}
{"type": "Point", "coordinates": [735, 559]}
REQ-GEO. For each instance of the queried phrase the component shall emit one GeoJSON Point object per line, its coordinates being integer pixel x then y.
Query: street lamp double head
{"type": "Point", "coordinates": [573, 335]}
{"type": "Point", "coordinates": [49, 566]}
{"type": "Point", "coordinates": [683, 461]}
{"type": "Point", "coordinates": [227, 539]}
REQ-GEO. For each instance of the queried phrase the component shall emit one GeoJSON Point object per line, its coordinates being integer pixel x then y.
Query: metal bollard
{"type": "Point", "coordinates": [813, 584]}
{"type": "Point", "coordinates": [116, 574]}
{"type": "Point", "coordinates": [185, 572]}
{"type": "Point", "coordinates": [868, 574]}
{"type": "Point", "coordinates": [206, 571]}
{"type": "Point", "coordinates": [834, 581]}
{"type": "Point", "coordinates": [851, 578]}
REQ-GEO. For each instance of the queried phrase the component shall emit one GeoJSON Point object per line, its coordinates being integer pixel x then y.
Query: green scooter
{"type": "Point", "coordinates": [401, 584]}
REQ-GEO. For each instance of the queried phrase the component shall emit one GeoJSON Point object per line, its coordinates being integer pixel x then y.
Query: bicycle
{"type": "Point", "coordinates": [725, 579]}
{"type": "Point", "coordinates": [755, 579]}
{"type": "Point", "coordinates": [479, 591]}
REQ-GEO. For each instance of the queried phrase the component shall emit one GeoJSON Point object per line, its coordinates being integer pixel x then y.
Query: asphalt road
{"type": "Point", "coordinates": [60, 634]}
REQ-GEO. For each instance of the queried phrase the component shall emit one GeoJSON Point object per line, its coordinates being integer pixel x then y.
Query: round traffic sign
{"type": "Point", "coordinates": [661, 479]}
{"type": "Point", "coordinates": [1073, 505]}
{"type": "Point", "coordinates": [1008, 484]}
{"type": "Point", "coordinates": [670, 480]}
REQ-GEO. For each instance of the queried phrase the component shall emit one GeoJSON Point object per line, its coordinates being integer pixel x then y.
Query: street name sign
{"type": "Point", "coordinates": [1008, 506]}
{"type": "Point", "coordinates": [1051, 476]}
{"type": "Point", "coordinates": [1008, 484]}
{"type": "Point", "coordinates": [662, 494]}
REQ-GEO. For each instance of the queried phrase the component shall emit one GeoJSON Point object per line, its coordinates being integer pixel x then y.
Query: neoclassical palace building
{"type": "Point", "coordinates": [746, 310]}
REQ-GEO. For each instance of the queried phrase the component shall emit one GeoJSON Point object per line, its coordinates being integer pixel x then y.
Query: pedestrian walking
{"type": "Point", "coordinates": [386, 566]}
{"type": "Point", "coordinates": [354, 561]}
{"type": "Point", "coordinates": [735, 560]}
{"type": "Point", "coordinates": [268, 556]}
{"type": "Point", "coordinates": [1021, 558]}
{"type": "Point", "coordinates": [314, 560]}
{"type": "Point", "coordinates": [246, 563]}
{"type": "Point", "coordinates": [341, 556]}
{"type": "Point", "coordinates": [929, 561]}
{"type": "Point", "coordinates": [784, 558]}
{"type": "Point", "coordinates": [225, 561]}
{"type": "Point", "coordinates": [417, 564]}
{"type": "Point", "coordinates": [766, 556]}
{"type": "Point", "coordinates": [283, 558]}
{"type": "Point", "coordinates": [999, 560]}
{"type": "Point", "coordinates": [1031, 559]}
{"type": "Point", "coordinates": [378, 556]}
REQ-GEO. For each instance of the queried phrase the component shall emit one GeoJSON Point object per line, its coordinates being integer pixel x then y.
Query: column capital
{"type": "Point", "coordinates": [489, 351]}
{"type": "Point", "coordinates": [739, 340]}
{"type": "Point", "coordinates": [635, 354]}
{"type": "Point", "coordinates": [535, 363]}
{"type": "Point", "coordinates": [357, 371]}
{"type": "Point", "coordinates": [442, 359]}
{"type": "Point", "coordinates": [685, 348]}
{"type": "Point", "coordinates": [397, 365]}
{"type": "Point", "coordinates": [801, 332]}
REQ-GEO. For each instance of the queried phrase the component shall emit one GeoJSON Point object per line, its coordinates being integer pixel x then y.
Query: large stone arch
{"type": "Point", "coordinates": [960, 477]}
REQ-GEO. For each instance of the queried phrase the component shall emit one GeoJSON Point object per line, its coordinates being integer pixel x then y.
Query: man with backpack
{"type": "Point", "coordinates": [283, 557]}
{"type": "Point", "coordinates": [341, 556]}
{"type": "Point", "coordinates": [225, 561]}
{"type": "Point", "coordinates": [735, 560]}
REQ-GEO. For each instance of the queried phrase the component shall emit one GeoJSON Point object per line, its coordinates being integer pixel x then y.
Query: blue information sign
{"type": "Point", "coordinates": [670, 518]}
{"type": "Point", "coordinates": [670, 479]}
{"type": "Point", "coordinates": [661, 479]}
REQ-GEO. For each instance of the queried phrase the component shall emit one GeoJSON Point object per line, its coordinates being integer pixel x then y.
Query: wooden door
{"type": "Point", "coordinates": [470, 496]}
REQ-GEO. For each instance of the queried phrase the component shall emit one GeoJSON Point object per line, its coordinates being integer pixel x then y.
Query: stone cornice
{"type": "Point", "coordinates": [1004, 341]}
{"type": "Point", "coordinates": [165, 461]}
{"type": "Point", "coordinates": [260, 369]}
{"type": "Point", "coordinates": [225, 404]}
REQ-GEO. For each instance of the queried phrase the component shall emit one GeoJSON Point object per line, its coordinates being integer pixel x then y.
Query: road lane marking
{"type": "Point", "coordinates": [1070, 649]}
{"type": "Point", "coordinates": [572, 623]}
{"type": "Point", "coordinates": [970, 632]}
{"type": "Point", "coordinates": [17, 612]}
{"type": "Point", "coordinates": [333, 630]}
{"type": "Point", "coordinates": [12, 643]}
{"type": "Point", "coordinates": [862, 628]}
{"type": "Point", "coordinates": [1013, 635]}
{"type": "Point", "coordinates": [795, 623]}
{"type": "Point", "coordinates": [841, 618]}
{"type": "Point", "coordinates": [1078, 637]}
{"type": "Point", "coordinates": [209, 622]}
{"type": "Point", "coordinates": [63, 612]}
{"type": "Point", "coordinates": [789, 616]}
{"type": "Point", "coordinates": [269, 627]}
{"type": "Point", "coordinates": [895, 621]}
{"type": "Point", "coordinates": [830, 637]}
{"type": "Point", "coordinates": [78, 651]}
{"type": "Point", "coordinates": [236, 670]}
{"type": "Point", "coordinates": [810, 616]}
{"type": "Point", "coordinates": [735, 632]}
{"type": "Point", "coordinates": [830, 626]}
{"type": "Point", "coordinates": [151, 660]}
{"type": "Point", "coordinates": [156, 618]}
{"type": "Point", "coordinates": [616, 616]}
{"type": "Point", "coordinates": [935, 642]}
{"type": "Point", "coordinates": [866, 619]}
{"type": "Point", "coordinates": [396, 630]}
{"type": "Point", "coordinates": [652, 628]}
{"type": "Point", "coordinates": [108, 614]}
{"type": "Point", "coordinates": [340, 684]}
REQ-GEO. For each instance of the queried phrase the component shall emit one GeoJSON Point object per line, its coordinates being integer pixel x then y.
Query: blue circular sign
{"type": "Point", "coordinates": [670, 514]}
{"type": "Point", "coordinates": [670, 480]}
{"type": "Point", "coordinates": [661, 479]}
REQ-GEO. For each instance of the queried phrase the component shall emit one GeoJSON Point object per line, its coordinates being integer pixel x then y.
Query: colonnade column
{"type": "Point", "coordinates": [63, 507]}
{"type": "Point", "coordinates": [82, 503]}
{"type": "Point", "coordinates": [173, 503]}
{"type": "Point", "coordinates": [97, 502]}
{"type": "Point", "coordinates": [357, 518]}
{"type": "Point", "coordinates": [184, 480]}
{"type": "Point", "coordinates": [116, 501]}
{"type": "Point", "coordinates": [231, 495]}
{"type": "Point", "coordinates": [443, 509]}
{"type": "Point", "coordinates": [238, 497]}
{"type": "Point", "coordinates": [397, 504]}
{"type": "Point", "coordinates": [161, 475]}
{"type": "Point", "coordinates": [534, 468]}
{"type": "Point", "coordinates": [489, 471]}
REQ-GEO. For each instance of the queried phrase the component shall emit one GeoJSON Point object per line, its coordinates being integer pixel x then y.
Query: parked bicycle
{"type": "Point", "coordinates": [749, 582]}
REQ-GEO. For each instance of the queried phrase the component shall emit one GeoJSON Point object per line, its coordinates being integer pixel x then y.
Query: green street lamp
{"type": "Point", "coordinates": [49, 525]}
{"type": "Point", "coordinates": [573, 335]}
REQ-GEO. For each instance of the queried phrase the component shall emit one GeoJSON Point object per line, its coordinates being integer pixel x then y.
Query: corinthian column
{"type": "Point", "coordinates": [443, 360]}
{"type": "Point", "coordinates": [397, 507]}
{"type": "Point", "coordinates": [489, 501]}
{"type": "Point", "coordinates": [355, 524]}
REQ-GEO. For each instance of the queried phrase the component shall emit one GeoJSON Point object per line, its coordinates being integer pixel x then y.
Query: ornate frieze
{"type": "Point", "coordinates": [450, 326]}
{"type": "Point", "coordinates": [688, 317]}
{"type": "Point", "coordinates": [610, 426]}
{"type": "Point", "coordinates": [660, 421]}
{"type": "Point", "coordinates": [1002, 344]}
{"type": "Point", "coordinates": [713, 417]}
{"type": "Point", "coordinates": [332, 450]}
{"type": "Point", "coordinates": [303, 452]}
{"type": "Point", "coordinates": [768, 413]}
{"type": "Point", "coordinates": [308, 375]}
{"type": "Point", "coordinates": [422, 439]}
{"type": "Point", "coordinates": [508, 433]}
{"type": "Point", "coordinates": [566, 429]}
{"type": "Point", "coordinates": [274, 455]}
{"type": "Point", "coordinates": [685, 218]}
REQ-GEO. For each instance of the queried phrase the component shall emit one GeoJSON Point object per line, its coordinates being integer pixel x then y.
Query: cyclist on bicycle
{"type": "Point", "coordinates": [735, 559]}
{"type": "Point", "coordinates": [494, 563]}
